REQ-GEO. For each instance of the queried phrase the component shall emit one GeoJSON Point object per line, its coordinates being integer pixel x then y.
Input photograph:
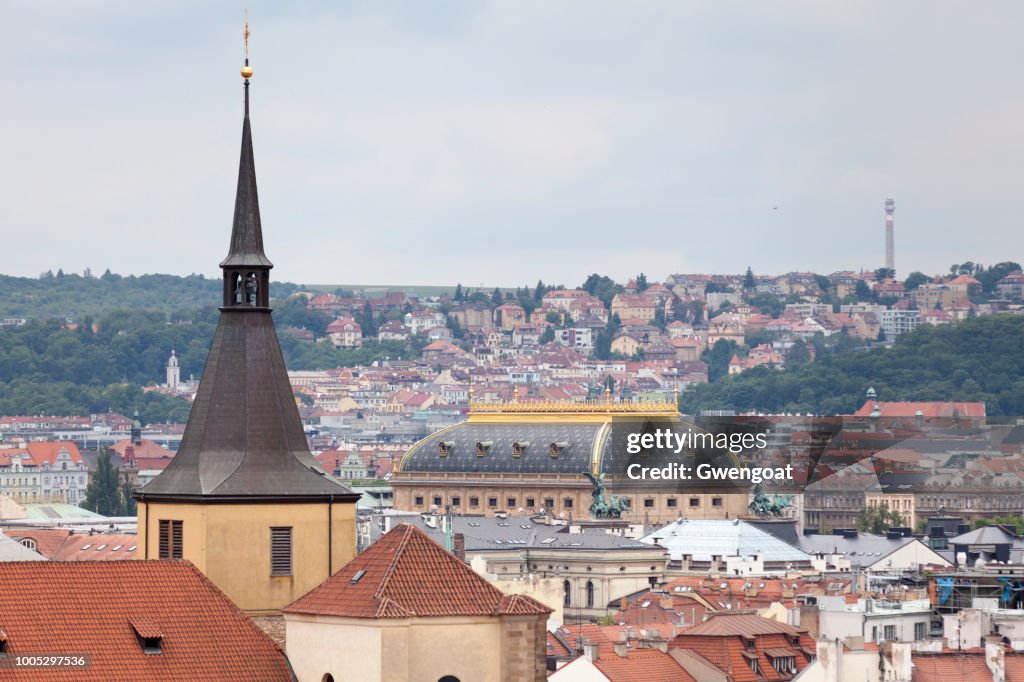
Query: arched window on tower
{"type": "Point", "coordinates": [567, 597]}
{"type": "Point", "coordinates": [590, 594]}
{"type": "Point", "coordinates": [236, 288]}
{"type": "Point", "coordinates": [252, 287]}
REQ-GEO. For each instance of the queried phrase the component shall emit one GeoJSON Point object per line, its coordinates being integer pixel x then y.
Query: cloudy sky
{"type": "Point", "coordinates": [498, 142]}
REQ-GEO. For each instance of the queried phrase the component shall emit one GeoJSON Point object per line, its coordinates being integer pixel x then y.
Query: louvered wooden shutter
{"type": "Point", "coordinates": [171, 539]}
{"type": "Point", "coordinates": [165, 539]}
{"type": "Point", "coordinates": [281, 550]}
{"type": "Point", "coordinates": [177, 541]}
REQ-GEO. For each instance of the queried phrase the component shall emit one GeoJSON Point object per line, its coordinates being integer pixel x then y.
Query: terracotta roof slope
{"type": "Point", "coordinates": [404, 574]}
{"type": "Point", "coordinates": [642, 665]}
{"type": "Point", "coordinates": [106, 609]}
{"type": "Point", "coordinates": [748, 624]}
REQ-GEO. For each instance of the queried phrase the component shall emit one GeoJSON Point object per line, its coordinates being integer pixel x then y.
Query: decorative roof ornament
{"type": "Point", "coordinates": [246, 70]}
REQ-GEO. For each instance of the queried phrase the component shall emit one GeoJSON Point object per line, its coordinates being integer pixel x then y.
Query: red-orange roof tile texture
{"type": "Point", "coordinates": [407, 574]}
{"type": "Point", "coordinates": [723, 641]}
{"type": "Point", "coordinates": [89, 608]}
{"type": "Point", "coordinates": [956, 666]}
{"type": "Point", "coordinates": [59, 545]}
{"type": "Point", "coordinates": [144, 450]}
{"type": "Point", "coordinates": [642, 665]}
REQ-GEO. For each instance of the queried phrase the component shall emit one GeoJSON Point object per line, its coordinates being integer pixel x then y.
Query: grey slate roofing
{"type": "Point", "coordinates": [244, 438]}
{"type": "Point", "coordinates": [581, 440]}
{"type": "Point", "coordinates": [247, 234]}
{"type": "Point", "coordinates": [704, 538]}
{"type": "Point", "coordinates": [864, 550]}
{"type": "Point", "coordinates": [516, 533]}
{"type": "Point", "coordinates": [986, 535]}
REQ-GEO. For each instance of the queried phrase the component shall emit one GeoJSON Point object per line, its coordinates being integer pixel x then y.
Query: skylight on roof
{"type": "Point", "coordinates": [359, 574]}
{"type": "Point", "coordinates": [87, 546]}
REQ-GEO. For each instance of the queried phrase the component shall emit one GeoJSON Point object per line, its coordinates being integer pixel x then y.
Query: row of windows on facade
{"type": "Point", "coordinates": [889, 634]}
{"type": "Point", "coordinates": [567, 594]}
{"type": "Point", "coordinates": [47, 480]}
{"type": "Point", "coordinates": [549, 502]}
{"type": "Point", "coordinates": [171, 545]}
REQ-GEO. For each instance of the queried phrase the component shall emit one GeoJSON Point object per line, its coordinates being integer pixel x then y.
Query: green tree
{"type": "Point", "coordinates": [547, 336]}
{"type": "Point", "coordinates": [496, 298]}
{"type": "Point", "coordinates": [991, 275]}
{"type": "Point", "coordinates": [103, 494]}
{"type": "Point", "coordinates": [863, 292]}
{"type": "Point", "coordinates": [878, 519]}
{"type": "Point", "coordinates": [916, 279]}
{"type": "Point", "coordinates": [127, 501]}
{"type": "Point", "coordinates": [459, 296]}
{"type": "Point", "coordinates": [602, 287]}
{"type": "Point", "coordinates": [884, 273]}
{"type": "Point", "coordinates": [749, 284]}
{"type": "Point", "coordinates": [1013, 522]}
{"type": "Point", "coordinates": [717, 358]}
{"type": "Point", "coordinates": [641, 282]}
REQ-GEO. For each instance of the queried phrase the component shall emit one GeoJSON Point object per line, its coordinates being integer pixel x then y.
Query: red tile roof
{"type": "Point", "coordinates": [404, 574]}
{"type": "Point", "coordinates": [927, 409]}
{"type": "Point", "coordinates": [735, 624]}
{"type": "Point", "coordinates": [96, 608]}
{"type": "Point", "coordinates": [60, 545]}
{"type": "Point", "coordinates": [43, 452]}
{"type": "Point", "coordinates": [642, 665]}
{"type": "Point", "coordinates": [145, 449]}
{"type": "Point", "coordinates": [954, 666]}
{"type": "Point", "coordinates": [724, 640]}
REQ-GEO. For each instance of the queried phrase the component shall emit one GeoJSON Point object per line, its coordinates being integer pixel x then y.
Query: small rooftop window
{"type": "Point", "coordinates": [359, 574]}
{"type": "Point", "coordinates": [149, 634]}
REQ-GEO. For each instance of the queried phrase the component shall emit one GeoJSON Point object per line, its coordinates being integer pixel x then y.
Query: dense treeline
{"type": "Point", "coordinates": [49, 367]}
{"type": "Point", "coordinates": [70, 295]}
{"type": "Point", "coordinates": [981, 359]}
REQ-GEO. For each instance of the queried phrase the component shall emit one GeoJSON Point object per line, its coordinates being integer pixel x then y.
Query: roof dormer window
{"type": "Point", "coordinates": [556, 447]}
{"type": "Point", "coordinates": [483, 447]}
{"type": "Point", "coordinates": [149, 634]}
{"type": "Point", "coordinates": [519, 447]}
{"type": "Point", "coordinates": [444, 447]}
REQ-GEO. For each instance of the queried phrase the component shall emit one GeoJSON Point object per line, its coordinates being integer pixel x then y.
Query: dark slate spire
{"type": "Point", "coordinates": [246, 232]}
{"type": "Point", "coordinates": [244, 439]}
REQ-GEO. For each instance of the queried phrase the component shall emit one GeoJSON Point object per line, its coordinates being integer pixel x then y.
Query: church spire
{"type": "Point", "coordinates": [244, 438]}
{"type": "Point", "coordinates": [246, 268]}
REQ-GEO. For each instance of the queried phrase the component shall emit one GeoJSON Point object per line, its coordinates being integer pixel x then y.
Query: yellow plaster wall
{"type": "Point", "coordinates": [230, 543]}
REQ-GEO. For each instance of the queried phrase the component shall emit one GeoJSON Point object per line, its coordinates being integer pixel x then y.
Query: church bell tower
{"type": "Point", "coordinates": [244, 499]}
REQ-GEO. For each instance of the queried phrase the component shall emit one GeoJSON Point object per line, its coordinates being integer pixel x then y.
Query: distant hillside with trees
{"type": "Point", "coordinates": [102, 363]}
{"type": "Point", "coordinates": [980, 359]}
{"type": "Point", "coordinates": [76, 296]}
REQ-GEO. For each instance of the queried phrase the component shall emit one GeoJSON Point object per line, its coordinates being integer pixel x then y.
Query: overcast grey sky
{"type": "Point", "coordinates": [501, 142]}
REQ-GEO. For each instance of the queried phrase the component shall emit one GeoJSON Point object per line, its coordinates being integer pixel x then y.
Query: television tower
{"type": "Point", "coordinates": [890, 259]}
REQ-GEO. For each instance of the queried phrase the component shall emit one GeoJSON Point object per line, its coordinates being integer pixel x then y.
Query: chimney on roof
{"type": "Point", "coordinates": [995, 657]}
{"type": "Point", "coordinates": [591, 650]}
{"type": "Point", "coordinates": [621, 648]}
{"type": "Point", "coordinates": [459, 546]}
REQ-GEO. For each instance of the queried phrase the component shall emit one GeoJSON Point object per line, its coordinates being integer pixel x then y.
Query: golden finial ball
{"type": "Point", "coordinates": [247, 72]}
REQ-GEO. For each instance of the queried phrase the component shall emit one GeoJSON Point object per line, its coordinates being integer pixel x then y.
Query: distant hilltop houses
{"type": "Point", "coordinates": [643, 340]}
